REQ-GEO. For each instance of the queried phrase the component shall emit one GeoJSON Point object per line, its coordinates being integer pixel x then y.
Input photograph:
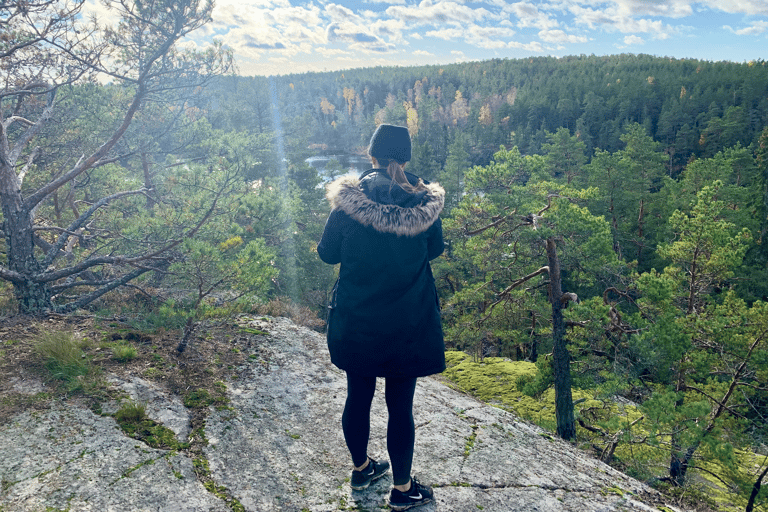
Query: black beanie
{"type": "Point", "coordinates": [390, 142]}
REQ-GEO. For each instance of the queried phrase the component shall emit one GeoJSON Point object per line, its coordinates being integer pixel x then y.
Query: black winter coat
{"type": "Point", "coordinates": [384, 317]}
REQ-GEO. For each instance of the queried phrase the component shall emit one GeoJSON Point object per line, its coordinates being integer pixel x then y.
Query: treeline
{"type": "Point", "coordinates": [693, 108]}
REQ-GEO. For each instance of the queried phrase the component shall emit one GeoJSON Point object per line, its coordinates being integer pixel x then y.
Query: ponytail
{"type": "Point", "coordinates": [397, 174]}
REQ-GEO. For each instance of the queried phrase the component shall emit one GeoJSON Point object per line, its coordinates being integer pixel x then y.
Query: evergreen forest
{"type": "Point", "coordinates": [606, 268]}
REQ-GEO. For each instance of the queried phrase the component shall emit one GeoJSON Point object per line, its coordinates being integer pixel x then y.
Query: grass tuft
{"type": "Point", "coordinates": [124, 353]}
{"type": "Point", "coordinates": [132, 418]}
{"type": "Point", "coordinates": [131, 412]}
{"type": "Point", "coordinates": [64, 359]}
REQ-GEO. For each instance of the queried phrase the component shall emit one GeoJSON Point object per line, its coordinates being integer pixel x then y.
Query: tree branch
{"type": "Point", "coordinates": [87, 299]}
{"type": "Point", "coordinates": [502, 295]}
{"type": "Point", "coordinates": [10, 275]}
{"type": "Point", "coordinates": [15, 153]}
{"type": "Point", "coordinates": [31, 201]}
{"type": "Point", "coordinates": [50, 257]}
{"type": "Point", "coordinates": [494, 224]}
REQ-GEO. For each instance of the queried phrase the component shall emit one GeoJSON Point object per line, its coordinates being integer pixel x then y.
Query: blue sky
{"type": "Point", "coordinates": [271, 37]}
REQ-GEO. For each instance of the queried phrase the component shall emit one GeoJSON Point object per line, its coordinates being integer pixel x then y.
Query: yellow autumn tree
{"type": "Point", "coordinates": [412, 117]}
{"type": "Point", "coordinates": [485, 118]}
{"type": "Point", "coordinates": [349, 96]}
{"type": "Point", "coordinates": [459, 109]}
{"type": "Point", "coordinates": [326, 106]}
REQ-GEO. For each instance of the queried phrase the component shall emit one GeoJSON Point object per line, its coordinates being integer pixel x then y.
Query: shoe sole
{"type": "Point", "coordinates": [410, 505]}
{"type": "Point", "coordinates": [362, 487]}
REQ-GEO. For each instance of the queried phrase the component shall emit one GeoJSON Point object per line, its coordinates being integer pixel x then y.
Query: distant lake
{"type": "Point", "coordinates": [349, 164]}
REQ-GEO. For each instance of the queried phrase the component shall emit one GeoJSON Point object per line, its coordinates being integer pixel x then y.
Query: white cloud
{"type": "Point", "coordinates": [251, 44]}
{"type": "Point", "coordinates": [633, 40]}
{"type": "Point", "coordinates": [590, 17]}
{"type": "Point", "coordinates": [331, 52]}
{"type": "Point", "coordinates": [389, 29]}
{"type": "Point", "coordinates": [349, 32]}
{"type": "Point", "coordinates": [558, 36]}
{"type": "Point", "coordinates": [533, 47]}
{"type": "Point", "coordinates": [446, 34]}
{"type": "Point", "coordinates": [480, 36]}
{"type": "Point", "coordinates": [340, 13]}
{"type": "Point", "coordinates": [615, 20]}
{"type": "Point", "coordinates": [750, 7]}
{"type": "Point", "coordinates": [529, 15]}
{"type": "Point", "coordinates": [423, 53]}
{"type": "Point", "coordinates": [429, 12]}
{"type": "Point", "coordinates": [103, 15]}
{"type": "Point", "coordinates": [757, 27]}
{"type": "Point", "coordinates": [306, 16]}
{"type": "Point", "coordinates": [459, 56]}
{"type": "Point", "coordinates": [660, 8]}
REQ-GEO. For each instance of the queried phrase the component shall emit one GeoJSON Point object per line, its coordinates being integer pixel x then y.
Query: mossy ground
{"type": "Point", "coordinates": [493, 380]}
{"type": "Point", "coordinates": [83, 352]}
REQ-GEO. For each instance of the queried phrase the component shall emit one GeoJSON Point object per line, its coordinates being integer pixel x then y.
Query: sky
{"type": "Point", "coordinates": [274, 37]}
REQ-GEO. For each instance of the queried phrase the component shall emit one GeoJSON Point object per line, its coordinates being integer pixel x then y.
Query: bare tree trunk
{"type": "Point", "coordinates": [147, 181]}
{"type": "Point", "coordinates": [17, 227]}
{"type": "Point", "coordinates": [566, 428]}
{"type": "Point", "coordinates": [640, 234]}
{"type": "Point", "coordinates": [755, 491]}
{"type": "Point", "coordinates": [680, 460]}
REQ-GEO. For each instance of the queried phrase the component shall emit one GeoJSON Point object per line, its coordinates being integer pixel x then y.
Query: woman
{"type": "Point", "coordinates": [384, 318]}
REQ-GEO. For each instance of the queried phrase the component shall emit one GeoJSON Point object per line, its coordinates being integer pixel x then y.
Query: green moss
{"type": "Point", "coordinates": [612, 490]}
{"type": "Point", "coordinates": [133, 421]}
{"type": "Point", "coordinates": [494, 380]}
{"type": "Point", "coordinates": [201, 464]}
{"type": "Point", "coordinates": [128, 471]}
{"type": "Point", "coordinates": [470, 442]}
{"type": "Point", "coordinates": [198, 399]}
{"type": "Point", "coordinates": [203, 469]}
{"type": "Point", "coordinates": [249, 330]}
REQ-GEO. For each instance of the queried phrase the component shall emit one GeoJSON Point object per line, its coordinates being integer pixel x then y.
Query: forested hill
{"type": "Point", "coordinates": [692, 107]}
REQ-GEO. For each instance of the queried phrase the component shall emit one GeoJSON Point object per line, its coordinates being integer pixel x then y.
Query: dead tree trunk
{"type": "Point", "coordinates": [566, 428]}
{"type": "Point", "coordinates": [756, 490]}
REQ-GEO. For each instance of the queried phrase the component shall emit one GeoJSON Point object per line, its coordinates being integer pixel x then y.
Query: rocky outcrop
{"type": "Point", "coordinates": [279, 447]}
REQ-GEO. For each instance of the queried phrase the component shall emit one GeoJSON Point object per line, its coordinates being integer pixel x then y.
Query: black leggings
{"type": "Point", "coordinates": [400, 428]}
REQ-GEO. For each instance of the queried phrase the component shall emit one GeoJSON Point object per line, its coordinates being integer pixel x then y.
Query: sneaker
{"type": "Point", "coordinates": [373, 471]}
{"type": "Point", "coordinates": [417, 495]}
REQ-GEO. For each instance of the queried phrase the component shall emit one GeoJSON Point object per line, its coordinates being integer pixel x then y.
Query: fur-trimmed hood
{"type": "Point", "coordinates": [347, 195]}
